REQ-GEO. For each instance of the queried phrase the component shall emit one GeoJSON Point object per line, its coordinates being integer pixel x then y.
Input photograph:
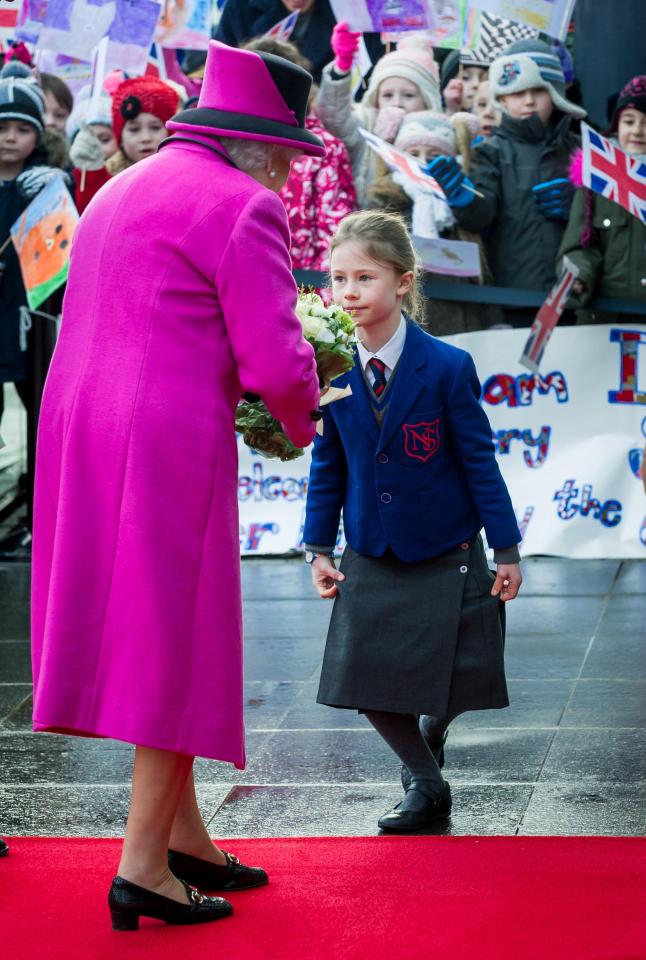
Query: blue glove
{"type": "Point", "coordinates": [554, 198]}
{"type": "Point", "coordinates": [32, 180]}
{"type": "Point", "coordinates": [447, 172]}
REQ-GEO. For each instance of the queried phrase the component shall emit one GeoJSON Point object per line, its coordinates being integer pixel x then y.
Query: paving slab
{"type": "Point", "coordinates": [601, 809]}
{"type": "Point", "coordinates": [353, 810]}
{"type": "Point", "coordinates": [558, 577]}
{"type": "Point", "coordinates": [607, 703]}
{"type": "Point", "coordinates": [595, 755]}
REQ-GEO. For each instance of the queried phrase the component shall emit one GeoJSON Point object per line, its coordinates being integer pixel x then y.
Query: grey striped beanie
{"type": "Point", "coordinates": [22, 100]}
{"type": "Point", "coordinates": [531, 63]}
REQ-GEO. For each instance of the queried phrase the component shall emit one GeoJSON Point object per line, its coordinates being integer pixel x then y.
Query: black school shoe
{"type": "Point", "coordinates": [419, 808]}
{"type": "Point", "coordinates": [4, 847]}
{"type": "Point", "coordinates": [437, 749]}
{"type": "Point", "coordinates": [128, 902]}
{"type": "Point", "coordinates": [211, 876]}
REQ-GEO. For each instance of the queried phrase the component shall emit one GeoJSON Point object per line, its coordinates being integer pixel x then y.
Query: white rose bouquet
{"type": "Point", "coordinates": [330, 330]}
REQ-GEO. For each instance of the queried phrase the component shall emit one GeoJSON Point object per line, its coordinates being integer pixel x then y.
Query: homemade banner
{"type": "Point", "coordinates": [76, 73]}
{"type": "Point", "coordinates": [548, 316]}
{"type": "Point", "coordinates": [9, 11]}
{"type": "Point", "coordinates": [612, 173]}
{"type": "Point", "coordinates": [75, 27]}
{"type": "Point", "coordinates": [396, 160]}
{"type": "Point", "coordinates": [42, 236]}
{"type": "Point", "coordinates": [184, 25]}
{"type": "Point", "coordinates": [381, 16]}
{"type": "Point", "coordinates": [30, 20]}
{"type": "Point", "coordinates": [457, 258]}
{"type": "Point", "coordinates": [569, 443]}
{"type": "Point", "coordinates": [361, 66]}
{"type": "Point", "coordinates": [548, 16]}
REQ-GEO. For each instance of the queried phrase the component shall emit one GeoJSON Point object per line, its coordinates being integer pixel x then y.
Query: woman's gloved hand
{"type": "Point", "coordinates": [454, 183]}
{"type": "Point", "coordinates": [345, 43]}
{"type": "Point", "coordinates": [388, 122]}
{"type": "Point", "coordinates": [32, 180]}
{"type": "Point", "coordinates": [554, 198]}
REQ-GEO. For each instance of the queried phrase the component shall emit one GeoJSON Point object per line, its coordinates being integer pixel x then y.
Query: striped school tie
{"type": "Point", "coordinates": [378, 368]}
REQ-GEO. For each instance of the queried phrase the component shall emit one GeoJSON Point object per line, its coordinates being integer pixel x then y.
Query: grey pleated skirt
{"type": "Point", "coordinates": [423, 637]}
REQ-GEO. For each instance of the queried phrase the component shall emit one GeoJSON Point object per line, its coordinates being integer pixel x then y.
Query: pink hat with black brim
{"type": "Point", "coordinates": [251, 96]}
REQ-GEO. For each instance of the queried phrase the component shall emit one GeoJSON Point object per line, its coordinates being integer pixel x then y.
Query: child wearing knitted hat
{"type": "Point", "coordinates": [25, 169]}
{"type": "Point", "coordinates": [140, 108]}
{"type": "Point", "coordinates": [119, 133]}
{"type": "Point", "coordinates": [401, 82]}
{"type": "Point", "coordinates": [604, 240]}
{"type": "Point", "coordinates": [521, 172]}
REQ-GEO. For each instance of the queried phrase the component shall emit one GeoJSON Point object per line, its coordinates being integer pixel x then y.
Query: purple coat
{"type": "Point", "coordinates": [180, 297]}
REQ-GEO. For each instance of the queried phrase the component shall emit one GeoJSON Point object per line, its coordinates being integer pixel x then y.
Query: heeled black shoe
{"type": "Point", "coordinates": [211, 876]}
{"type": "Point", "coordinates": [437, 749]}
{"type": "Point", "coordinates": [128, 902]}
{"type": "Point", "coordinates": [418, 809]}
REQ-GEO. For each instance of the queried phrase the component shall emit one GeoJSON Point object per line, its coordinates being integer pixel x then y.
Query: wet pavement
{"type": "Point", "coordinates": [568, 756]}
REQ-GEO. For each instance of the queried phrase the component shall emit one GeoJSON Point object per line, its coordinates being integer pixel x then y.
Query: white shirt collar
{"type": "Point", "coordinates": [390, 352]}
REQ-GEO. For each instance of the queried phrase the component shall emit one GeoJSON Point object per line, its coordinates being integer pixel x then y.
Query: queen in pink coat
{"type": "Point", "coordinates": [180, 299]}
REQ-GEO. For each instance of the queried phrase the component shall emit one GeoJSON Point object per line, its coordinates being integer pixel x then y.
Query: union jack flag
{"type": "Point", "coordinates": [612, 173]}
{"type": "Point", "coordinates": [397, 160]}
{"type": "Point", "coordinates": [548, 316]}
{"type": "Point", "coordinates": [284, 28]}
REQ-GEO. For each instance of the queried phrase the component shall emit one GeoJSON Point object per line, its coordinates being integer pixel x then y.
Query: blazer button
{"type": "Point", "coordinates": [382, 458]}
{"type": "Point", "coordinates": [385, 498]}
{"type": "Point", "coordinates": [464, 546]}
{"type": "Point", "coordinates": [463, 569]}
{"type": "Point", "coordinates": [606, 222]}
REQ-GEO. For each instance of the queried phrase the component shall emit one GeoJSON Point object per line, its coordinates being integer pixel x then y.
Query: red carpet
{"type": "Point", "coordinates": [376, 898]}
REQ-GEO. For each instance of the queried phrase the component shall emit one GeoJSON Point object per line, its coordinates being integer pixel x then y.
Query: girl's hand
{"type": "Point", "coordinates": [578, 287]}
{"type": "Point", "coordinates": [345, 44]}
{"type": "Point", "coordinates": [388, 122]}
{"type": "Point", "coordinates": [508, 581]}
{"type": "Point", "coordinates": [453, 93]}
{"type": "Point", "coordinates": [325, 576]}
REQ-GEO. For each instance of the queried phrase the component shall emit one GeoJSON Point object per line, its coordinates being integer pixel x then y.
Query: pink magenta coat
{"type": "Point", "coordinates": [180, 297]}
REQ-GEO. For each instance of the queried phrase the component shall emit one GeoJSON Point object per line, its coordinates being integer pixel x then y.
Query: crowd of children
{"type": "Point", "coordinates": [497, 131]}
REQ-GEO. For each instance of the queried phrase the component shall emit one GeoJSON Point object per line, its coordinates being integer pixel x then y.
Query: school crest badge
{"type": "Point", "coordinates": [510, 71]}
{"type": "Point", "coordinates": [422, 440]}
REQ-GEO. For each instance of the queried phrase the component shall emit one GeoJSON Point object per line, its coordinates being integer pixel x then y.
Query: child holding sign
{"type": "Point", "coordinates": [416, 635]}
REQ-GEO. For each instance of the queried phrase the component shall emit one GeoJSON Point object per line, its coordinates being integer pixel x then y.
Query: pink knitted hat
{"type": "Point", "coordinates": [424, 128]}
{"type": "Point", "coordinates": [412, 60]}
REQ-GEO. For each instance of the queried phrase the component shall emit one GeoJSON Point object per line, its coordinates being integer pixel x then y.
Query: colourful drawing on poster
{"type": "Point", "coordinates": [75, 27]}
{"type": "Point", "coordinates": [184, 25]}
{"type": "Point", "coordinates": [382, 16]}
{"type": "Point", "coordinates": [42, 236]}
{"type": "Point", "coordinates": [30, 20]}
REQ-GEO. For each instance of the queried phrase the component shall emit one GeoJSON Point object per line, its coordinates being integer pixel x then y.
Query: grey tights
{"type": "Point", "coordinates": [403, 734]}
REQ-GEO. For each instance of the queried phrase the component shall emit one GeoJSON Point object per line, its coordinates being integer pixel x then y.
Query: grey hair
{"type": "Point", "coordinates": [246, 154]}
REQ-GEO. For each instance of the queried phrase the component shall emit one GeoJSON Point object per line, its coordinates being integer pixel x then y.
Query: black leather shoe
{"type": "Point", "coordinates": [128, 902]}
{"type": "Point", "coordinates": [437, 749]}
{"type": "Point", "coordinates": [418, 809]}
{"type": "Point", "coordinates": [4, 847]}
{"type": "Point", "coordinates": [211, 876]}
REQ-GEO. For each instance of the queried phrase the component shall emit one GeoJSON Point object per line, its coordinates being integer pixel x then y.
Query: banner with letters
{"type": "Point", "coordinates": [569, 441]}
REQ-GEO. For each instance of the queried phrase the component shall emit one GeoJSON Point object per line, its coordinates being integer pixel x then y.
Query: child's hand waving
{"type": "Point", "coordinates": [325, 576]}
{"type": "Point", "coordinates": [508, 581]}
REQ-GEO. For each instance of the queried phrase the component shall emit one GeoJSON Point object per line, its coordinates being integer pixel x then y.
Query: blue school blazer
{"type": "Point", "coordinates": [427, 480]}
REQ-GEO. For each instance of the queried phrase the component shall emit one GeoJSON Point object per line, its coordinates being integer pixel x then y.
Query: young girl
{"type": "Point", "coordinates": [416, 633]}
{"type": "Point", "coordinates": [604, 240]}
{"type": "Point", "coordinates": [140, 108]}
{"type": "Point", "coordinates": [401, 82]}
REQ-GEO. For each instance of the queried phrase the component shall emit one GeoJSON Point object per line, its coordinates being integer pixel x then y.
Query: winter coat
{"type": "Point", "coordinates": [180, 298]}
{"type": "Point", "coordinates": [612, 262]}
{"type": "Point", "coordinates": [90, 184]}
{"type": "Point", "coordinates": [12, 289]}
{"type": "Point", "coordinates": [441, 317]}
{"type": "Point", "coordinates": [243, 20]}
{"type": "Point", "coordinates": [521, 242]}
{"type": "Point", "coordinates": [317, 196]}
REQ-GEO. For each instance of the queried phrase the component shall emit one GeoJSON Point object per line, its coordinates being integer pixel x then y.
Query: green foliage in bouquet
{"type": "Point", "coordinates": [330, 330]}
